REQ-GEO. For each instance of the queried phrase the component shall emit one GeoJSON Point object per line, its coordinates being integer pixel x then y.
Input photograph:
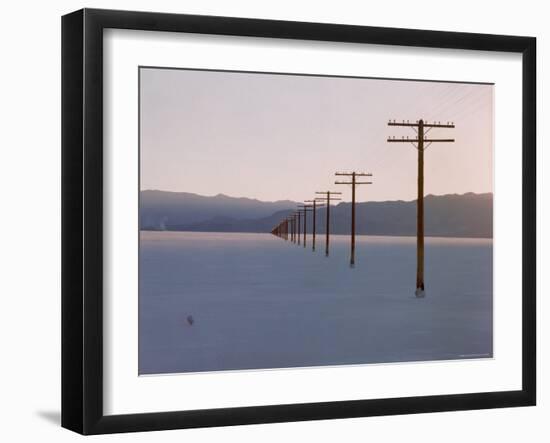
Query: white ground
{"type": "Point", "coordinates": [257, 301]}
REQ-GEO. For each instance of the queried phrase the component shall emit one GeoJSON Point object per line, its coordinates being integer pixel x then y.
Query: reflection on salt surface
{"type": "Point", "coordinates": [225, 301]}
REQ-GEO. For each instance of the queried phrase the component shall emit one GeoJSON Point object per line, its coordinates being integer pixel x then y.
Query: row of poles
{"type": "Point", "coordinates": [294, 227]}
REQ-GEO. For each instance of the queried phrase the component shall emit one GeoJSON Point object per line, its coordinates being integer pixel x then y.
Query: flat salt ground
{"type": "Point", "coordinates": [227, 301]}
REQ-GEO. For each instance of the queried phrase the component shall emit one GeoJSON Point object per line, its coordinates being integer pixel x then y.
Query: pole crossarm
{"type": "Point", "coordinates": [328, 195]}
{"type": "Point", "coordinates": [416, 140]}
{"type": "Point", "coordinates": [352, 183]}
{"type": "Point", "coordinates": [417, 124]}
{"type": "Point", "coordinates": [357, 174]}
{"type": "Point", "coordinates": [315, 201]}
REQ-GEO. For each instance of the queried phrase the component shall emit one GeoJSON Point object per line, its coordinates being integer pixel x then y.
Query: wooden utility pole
{"type": "Point", "coordinates": [297, 227]}
{"type": "Point", "coordinates": [315, 206]}
{"type": "Point", "coordinates": [421, 143]}
{"type": "Point", "coordinates": [327, 199]}
{"type": "Point", "coordinates": [287, 229]}
{"type": "Point", "coordinates": [298, 231]}
{"type": "Point", "coordinates": [305, 208]}
{"type": "Point", "coordinates": [294, 227]}
{"type": "Point", "coordinates": [353, 184]}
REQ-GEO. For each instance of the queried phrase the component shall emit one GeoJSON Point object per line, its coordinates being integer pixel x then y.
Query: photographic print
{"type": "Point", "coordinates": [291, 220]}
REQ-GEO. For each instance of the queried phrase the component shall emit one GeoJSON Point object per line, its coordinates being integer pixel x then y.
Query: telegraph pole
{"type": "Point", "coordinates": [421, 143]}
{"type": "Point", "coordinates": [305, 208]}
{"type": "Point", "coordinates": [286, 229]}
{"type": "Point", "coordinates": [353, 184]}
{"type": "Point", "coordinates": [298, 232]}
{"type": "Point", "coordinates": [296, 227]}
{"type": "Point", "coordinates": [327, 199]}
{"type": "Point", "coordinates": [294, 216]}
{"type": "Point", "coordinates": [289, 228]}
{"type": "Point", "coordinates": [315, 206]}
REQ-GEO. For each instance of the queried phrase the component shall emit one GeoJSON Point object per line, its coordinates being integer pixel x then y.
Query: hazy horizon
{"type": "Point", "coordinates": [277, 137]}
{"type": "Point", "coordinates": [294, 201]}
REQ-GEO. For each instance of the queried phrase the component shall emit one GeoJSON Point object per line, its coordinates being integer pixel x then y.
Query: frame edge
{"type": "Point", "coordinates": [529, 220]}
{"type": "Point", "coordinates": [72, 252]}
{"type": "Point", "coordinates": [82, 196]}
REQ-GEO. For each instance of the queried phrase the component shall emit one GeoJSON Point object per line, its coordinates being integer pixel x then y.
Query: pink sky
{"type": "Point", "coordinates": [275, 137]}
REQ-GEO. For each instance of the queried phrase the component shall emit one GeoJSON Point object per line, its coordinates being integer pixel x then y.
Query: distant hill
{"type": "Point", "coordinates": [452, 215]}
{"type": "Point", "coordinates": [166, 210]}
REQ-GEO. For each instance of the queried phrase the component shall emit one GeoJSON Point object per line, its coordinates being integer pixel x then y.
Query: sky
{"type": "Point", "coordinates": [276, 137]}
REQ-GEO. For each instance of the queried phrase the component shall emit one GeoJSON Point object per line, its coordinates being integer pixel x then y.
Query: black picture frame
{"type": "Point", "coordinates": [82, 219]}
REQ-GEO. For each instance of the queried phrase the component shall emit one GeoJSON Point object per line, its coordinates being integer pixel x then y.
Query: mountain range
{"type": "Point", "coordinates": [450, 215]}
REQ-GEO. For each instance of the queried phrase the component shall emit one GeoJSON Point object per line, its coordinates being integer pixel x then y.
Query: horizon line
{"type": "Point", "coordinates": [221, 194]}
{"type": "Point", "coordinates": [332, 235]}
